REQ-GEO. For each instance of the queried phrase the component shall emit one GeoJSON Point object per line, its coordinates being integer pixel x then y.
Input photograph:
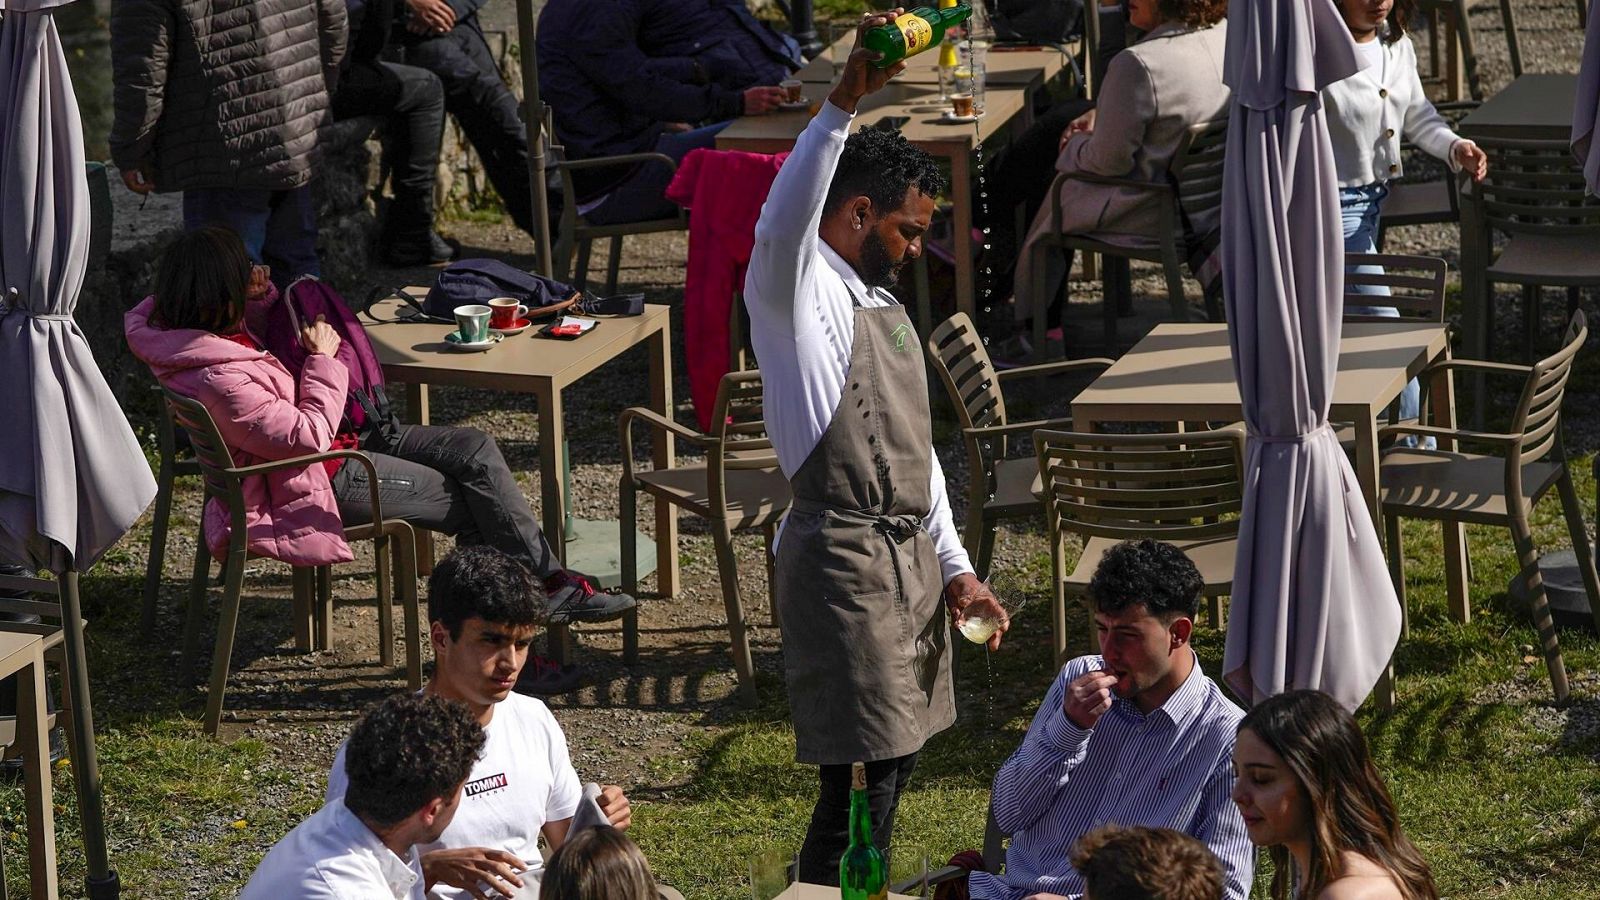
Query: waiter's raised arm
{"type": "Point", "coordinates": [786, 233]}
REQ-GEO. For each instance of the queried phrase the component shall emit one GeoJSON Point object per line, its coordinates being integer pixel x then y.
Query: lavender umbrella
{"type": "Point", "coordinates": [72, 476]}
{"type": "Point", "coordinates": [1586, 111]}
{"type": "Point", "coordinates": [1312, 603]}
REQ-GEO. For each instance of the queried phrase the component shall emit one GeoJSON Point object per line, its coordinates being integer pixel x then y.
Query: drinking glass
{"type": "Point", "coordinates": [978, 629]}
{"type": "Point", "coordinates": [908, 871]}
{"type": "Point", "coordinates": [972, 59]}
{"type": "Point", "coordinates": [771, 873]}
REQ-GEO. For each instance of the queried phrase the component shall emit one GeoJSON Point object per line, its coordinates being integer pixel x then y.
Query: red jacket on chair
{"type": "Point", "coordinates": [726, 190]}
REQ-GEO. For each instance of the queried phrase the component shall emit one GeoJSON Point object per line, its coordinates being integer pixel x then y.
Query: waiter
{"type": "Point", "coordinates": [869, 546]}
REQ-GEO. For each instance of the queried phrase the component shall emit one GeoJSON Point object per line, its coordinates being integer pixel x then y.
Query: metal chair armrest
{"type": "Point", "coordinates": [1014, 428]}
{"type": "Point", "coordinates": [657, 422]}
{"type": "Point", "coordinates": [1098, 364]}
{"type": "Point", "coordinates": [1450, 434]}
{"type": "Point", "coordinates": [1061, 178]}
{"type": "Point", "coordinates": [599, 162]}
{"type": "Point", "coordinates": [937, 877]}
{"type": "Point", "coordinates": [1478, 365]}
{"type": "Point", "coordinates": [308, 459]}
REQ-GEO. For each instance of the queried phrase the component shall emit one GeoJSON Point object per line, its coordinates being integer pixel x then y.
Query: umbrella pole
{"type": "Point", "coordinates": [102, 881]}
{"type": "Point", "coordinates": [533, 120]}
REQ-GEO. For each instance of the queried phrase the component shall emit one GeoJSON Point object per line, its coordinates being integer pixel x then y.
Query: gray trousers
{"type": "Point", "coordinates": [451, 480]}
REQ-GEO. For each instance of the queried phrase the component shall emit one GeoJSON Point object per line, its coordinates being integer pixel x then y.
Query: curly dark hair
{"type": "Point", "coordinates": [478, 580]}
{"type": "Point", "coordinates": [1149, 572]}
{"type": "Point", "coordinates": [406, 751]}
{"type": "Point", "coordinates": [882, 166]}
{"type": "Point", "coordinates": [1146, 864]}
{"type": "Point", "coordinates": [1193, 13]}
{"type": "Point", "coordinates": [201, 281]}
{"type": "Point", "coordinates": [1349, 806]}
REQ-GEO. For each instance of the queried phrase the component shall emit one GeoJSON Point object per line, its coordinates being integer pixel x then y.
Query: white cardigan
{"type": "Point", "coordinates": [1370, 111]}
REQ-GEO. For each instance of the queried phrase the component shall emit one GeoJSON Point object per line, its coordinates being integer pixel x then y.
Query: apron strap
{"type": "Point", "coordinates": [899, 527]}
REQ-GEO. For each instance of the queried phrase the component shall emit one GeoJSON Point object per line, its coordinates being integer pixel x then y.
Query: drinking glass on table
{"type": "Point", "coordinates": [771, 873]}
{"type": "Point", "coordinates": [908, 871]}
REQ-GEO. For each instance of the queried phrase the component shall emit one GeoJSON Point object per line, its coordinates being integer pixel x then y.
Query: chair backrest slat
{"type": "Point", "coordinates": [210, 450]}
{"type": "Point", "coordinates": [1415, 286]}
{"type": "Point", "coordinates": [968, 374]}
{"type": "Point", "coordinates": [1538, 415]}
{"type": "Point", "coordinates": [1197, 167]}
{"type": "Point", "coordinates": [1534, 187]}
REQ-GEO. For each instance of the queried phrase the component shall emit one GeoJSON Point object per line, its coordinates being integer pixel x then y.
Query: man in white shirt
{"type": "Point", "coordinates": [869, 545]}
{"type": "Point", "coordinates": [484, 606]}
{"type": "Point", "coordinates": [405, 764]}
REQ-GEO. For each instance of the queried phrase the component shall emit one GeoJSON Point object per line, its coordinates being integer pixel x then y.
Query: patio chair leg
{"type": "Point", "coordinates": [227, 625]}
{"type": "Point", "coordinates": [1574, 300]}
{"type": "Point", "coordinates": [613, 265]}
{"type": "Point", "coordinates": [1530, 322]}
{"type": "Point", "coordinates": [1058, 598]}
{"type": "Point", "coordinates": [380, 553]}
{"type": "Point", "coordinates": [987, 531]}
{"type": "Point", "coordinates": [1397, 568]}
{"type": "Point", "coordinates": [405, 546]}
{"type": "Point", "coordinates": [1539, 602]}
{"type": "Point", "coordinates": [1513, 44]}
{"type": "Point", "coordinates": [1041, 297]}
{"type": "Point", "coordinates": [1573, 508]}
{"type": "Point", "coordinates": [197, 604]}
{"type": "Point", "coordinates": [769, 534]}
{"type": "Point", "coordinates": [324, 609]}
{"type": "Point", "coordinates": [1469, 54]}
{"type": "Point", "coordinates": [628, 500]}
{"type": "Point", "coordinates": [580, 275]}
{"type": "Point", "coordinates": [158, 551]}
{"type": "Point", "coordinates": [727, 567]}
{"type": "Point", "coordinates": [1219, 615]}
{"type": "Point", "coordinates": [1177, 300]}
{"type": "Point", "coordinates": [301, 578]}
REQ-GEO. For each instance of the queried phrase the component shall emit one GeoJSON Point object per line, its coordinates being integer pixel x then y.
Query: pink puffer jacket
{"type": "Point", "coordinates": [290, 515]}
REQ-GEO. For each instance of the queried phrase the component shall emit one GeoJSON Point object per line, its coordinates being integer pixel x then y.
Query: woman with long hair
{"type": "Point", "coordinates": [1307, 789]}
{"type": "Point", "coordinates": [598, 864]}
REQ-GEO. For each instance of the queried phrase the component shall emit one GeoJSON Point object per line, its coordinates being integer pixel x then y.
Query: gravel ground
{"type": "Point", "coordinates": [621, 720]}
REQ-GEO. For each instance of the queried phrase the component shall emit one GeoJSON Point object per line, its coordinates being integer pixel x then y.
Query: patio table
{"type": "Point", "coordinates": [1019, 67]}
{"type": "Point", "coordinates": [22, 655]}
{"type": "Point", "coordinates": [1533, 107]}
{"type": "Point", "coordinates": [802, 891]}
{"type": "Point", "coordinates": [415, 354]}
{"type": "Point", "coordinates": [920, 105]}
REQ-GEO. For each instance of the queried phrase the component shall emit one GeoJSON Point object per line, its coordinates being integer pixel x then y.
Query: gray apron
{"type": "Point", "coordinates": [858, 584]}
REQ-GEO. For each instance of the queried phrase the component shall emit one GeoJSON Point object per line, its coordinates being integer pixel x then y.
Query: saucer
{"type": "Point", "coordinates": [520, 327]}
{"type": "Point", "coordinates": [951, 117]}
{"type": "Point", "coordinates": [796, 106]}
{"type": "Point", "coordinates": [455, 342]}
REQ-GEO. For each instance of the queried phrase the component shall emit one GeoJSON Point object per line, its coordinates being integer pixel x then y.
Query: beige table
{"type": "Point", "coordinates": [22, 655]}
{"type": "Point", "coordinates": [821, 892]}
{"type": "Point", "coordinates": [1184, 373]}
{"type": "Point", "coordinates": [415, 354]}
{"type": "Point", "coordinates": [1003, 66]}
{"type": "Point", "coordinates": [919, 103]}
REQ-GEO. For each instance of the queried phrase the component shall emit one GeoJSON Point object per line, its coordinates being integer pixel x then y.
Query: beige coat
{"type": "Point", "coordinates": [1153, 91]}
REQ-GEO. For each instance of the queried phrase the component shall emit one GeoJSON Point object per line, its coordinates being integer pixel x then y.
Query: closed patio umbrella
{"type": "Point", "coordinates": [1312, 603]}
{"type": "Point", "coordinates": [1586, 112]}
{"type": "Point", "coordinates": [72, 476]}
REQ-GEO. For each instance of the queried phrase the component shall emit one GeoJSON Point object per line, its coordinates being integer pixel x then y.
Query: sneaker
{"type": "Point", "coordinates": [573, 598]}
{"type": "Point", "coordinates": [1012, 353]}
{"type": "Point", "coordinates": [543, 677]}
{"type": "Point", "coordinates": [429, 250]}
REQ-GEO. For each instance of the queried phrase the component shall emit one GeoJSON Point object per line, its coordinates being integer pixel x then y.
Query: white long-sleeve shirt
{"type": "Point", "coordinates": [802, 320]}
{"type": "Point", "coordinates": [1371, 110]}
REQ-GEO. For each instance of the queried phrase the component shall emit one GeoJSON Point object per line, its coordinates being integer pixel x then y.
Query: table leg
{"type": "Point", "coordinates": [665, 451]}
{"type": "Point", "coordinates": [961, 201]}
{"type": "Point", "coordinates": [552, 512]}
{"type": "Point", "coordinates": [1367, 465]}
{"type": "Point", "coordinates": [1443, 402]}
{"type": "Point", "coordinates": [33, 736]}
{"type": "Point", "coordinates": [1474, 301]}
{"type": "Point", "coordinates": [417, 411]}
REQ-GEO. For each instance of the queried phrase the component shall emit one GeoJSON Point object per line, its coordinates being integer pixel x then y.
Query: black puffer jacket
{"type": "Point", "coordinates": [223, 93]}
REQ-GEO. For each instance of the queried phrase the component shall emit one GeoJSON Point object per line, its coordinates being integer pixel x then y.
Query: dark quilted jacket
{"type": "Point", "coordinates": [223, 93]}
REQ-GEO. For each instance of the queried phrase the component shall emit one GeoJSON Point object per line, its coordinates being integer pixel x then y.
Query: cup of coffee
{"type": "Point", "coordinates": [794, 89]}
{"type": "Point", "coordinates": [472, 321]}
{"type": "Point", "coordinates": [961, 105]}
{"type": "Point", "coordinates": [505, 312]}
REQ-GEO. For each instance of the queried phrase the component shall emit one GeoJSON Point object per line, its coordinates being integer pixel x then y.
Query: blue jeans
{"type": "Point", "coordinates": [643, 196]}
{"type": "Point", "coordinates": [1358, 211]}
{"type": "Point", "coordinates": [279, 228]}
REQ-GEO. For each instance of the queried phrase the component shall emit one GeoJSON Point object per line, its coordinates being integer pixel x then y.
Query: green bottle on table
{"type": "Point", "coordinates": [863, 875]}
{"type": "Point", "coordinates": [913, 32]}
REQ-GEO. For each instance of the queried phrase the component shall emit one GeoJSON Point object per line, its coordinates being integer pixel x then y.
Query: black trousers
{"type": "Point", "coordinates": [829, 833]}
{"type": "Point", "coordinates": [452, 480]}
{"type": "Point", "coordinates": [412, 100]}
{"type": "Point", "coordinates": [487, 111]}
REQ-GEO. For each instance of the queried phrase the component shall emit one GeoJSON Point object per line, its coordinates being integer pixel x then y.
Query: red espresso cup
{"type": "Point", "coordinates": [505, 313]}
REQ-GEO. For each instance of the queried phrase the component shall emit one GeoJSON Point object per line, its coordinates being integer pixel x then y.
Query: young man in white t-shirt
{"type": "Point", "coordinates": [484, 607]}
{"type": "Point", "coordinates": [404, 766]}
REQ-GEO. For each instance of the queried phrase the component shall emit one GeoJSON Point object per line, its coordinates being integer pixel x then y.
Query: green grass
{"type": "Point", "coordinates": [1502, 805]}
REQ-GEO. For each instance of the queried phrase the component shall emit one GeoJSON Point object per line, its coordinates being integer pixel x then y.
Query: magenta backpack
{"type": "Point", "coordinates": [367, 412]}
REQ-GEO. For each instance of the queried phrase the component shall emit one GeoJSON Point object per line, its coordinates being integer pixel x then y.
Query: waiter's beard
{"type": "Point", "coordinates": [877, 269]}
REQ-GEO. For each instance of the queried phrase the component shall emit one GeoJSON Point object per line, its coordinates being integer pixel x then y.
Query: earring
{"type": "Point", "coordinates": [858, 226]}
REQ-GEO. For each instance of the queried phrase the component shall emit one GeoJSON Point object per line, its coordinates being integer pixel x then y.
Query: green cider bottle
{"type": "Point", "coordinates": [913, 32]}
{"type": "Point", "coordinates": [863, 875]}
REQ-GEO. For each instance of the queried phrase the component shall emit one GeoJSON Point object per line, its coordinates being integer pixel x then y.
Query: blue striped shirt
{"type": "Point", "coordinates": [1172, 768]}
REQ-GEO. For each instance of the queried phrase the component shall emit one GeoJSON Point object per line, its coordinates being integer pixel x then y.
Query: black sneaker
{"type": "Point", "coordinates": [573, 598]}
{"type": "Point", "coordinates": [543, 677]}
{"type": "Point", "coordinates": [431, 250]}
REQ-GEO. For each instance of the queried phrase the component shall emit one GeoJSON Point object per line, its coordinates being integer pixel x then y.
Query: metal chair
{"type": "Point", "coordinates": [1186, 489]}
{"type": "Point", "coordinates": [1535, 195]}
{"type": "Point", "coordinates": [994, 857]}
{"type": "Point", "coordinates": [1424, 201]}
{"type": "Point", "coordinates": [1455, 14]}
{"type": "Point", "coordinates": [999, 487]}
{"type": "Point", "coordinates": [1482, 489]}
{"type": "Point", "coordinates": [738, 487]}
{"type": "Point", "coordinates": [224, 481]}
{"type": "Point", "coordinates": [172, 466]}
{"type": "Point", "coordinates": [577, 232]}
{"type": "Point", "coordinates": [1193, 188]}
{"type": "Point", "coordinates": [1415, 283]}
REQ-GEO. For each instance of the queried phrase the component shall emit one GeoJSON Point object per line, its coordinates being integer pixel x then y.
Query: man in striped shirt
{"type": "Point", "coordinates": [1137, 736]}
